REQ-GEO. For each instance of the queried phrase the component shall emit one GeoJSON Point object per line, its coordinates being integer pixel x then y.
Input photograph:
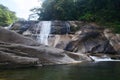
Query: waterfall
{"type": "Point", "coordinates": [44, 32]}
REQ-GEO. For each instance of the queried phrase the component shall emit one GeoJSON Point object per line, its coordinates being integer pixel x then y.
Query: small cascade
{"type": "Point", "coordinates": [44, 32]}
{"type": "Point", "coordinates": [102, 58]}
{"type": "Point", "coordinates": [68, 27]}
{"type": "Point", "coordinates": [65, 27]}
{"type": "Point", "coordinates": [8, 27]}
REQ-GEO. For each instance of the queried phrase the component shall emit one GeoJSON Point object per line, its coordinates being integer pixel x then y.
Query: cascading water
{"type": "Point", "coordinates": [68, 27]}
{"type": "Point", "coordinates": [44, 32]}
{"type": "Point", "coordinates": [102, 58]}
{"type": "Point", "coordinates": [8, 27]}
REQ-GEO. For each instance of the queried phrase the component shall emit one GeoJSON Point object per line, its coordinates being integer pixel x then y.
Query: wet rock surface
{"type": "Point", "coordinates": [81, 37]}
{"type": "Point", "coordinates": [20, 53]}
{"type": "Point", "coordinates": [82, 40]}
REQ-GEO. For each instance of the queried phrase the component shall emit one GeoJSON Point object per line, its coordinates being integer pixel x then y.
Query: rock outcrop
{"type": "Point", "coordinates": [81, 36]}
{"type": "Point", "coordinates": [12, 37]}
{"type": "Point", "coordinates": [90, 39]}
{"type": "Point", "coordinates": [19, 51]}
{"type": "Point", "coordinates": [82, 40]}
{"type": "Point", "coordinates": [114, 39]}
{"type": "Point", "coordinates": [22, 26]}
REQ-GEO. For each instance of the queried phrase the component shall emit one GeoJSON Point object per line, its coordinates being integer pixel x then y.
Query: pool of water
{"type": "Point", "coordinates": [83, 71]}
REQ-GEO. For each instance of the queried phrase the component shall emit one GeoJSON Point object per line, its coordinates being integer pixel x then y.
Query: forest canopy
{"type": "Point", "coordinates": [6, 16]}
{"type": "Point", "coordinates": [101, 11]}
{"type": "Point", "coordinates": [90, 10]}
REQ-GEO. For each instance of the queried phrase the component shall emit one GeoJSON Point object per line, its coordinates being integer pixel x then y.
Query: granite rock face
{"type": "Point", "coordinates": [57, 27]}
{"type": "Point", "coordinates": [91, 39]}
{"type": "Point", "coordinates": [76, 36]}
{"type": "Point", "coordinates": [12, 37]}
{"type": "Point", "coordinates": [114, 39]}
{"type": "Point", "coordinates": [83, 40]}
{"type": "Point", "coordinates": [19, 51]}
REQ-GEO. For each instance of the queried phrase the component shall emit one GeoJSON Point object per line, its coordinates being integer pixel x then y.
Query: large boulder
{"type": "Point", "coordinates": [12, 37]}
{"type": "Point", "coordinates": [19, 51]}
{"type": "Point", "coordinates": [114, 39]}
{"type": "Point", "coordinates": [90, 39]}
{"type": "Point", "coordinates": [11, 60]}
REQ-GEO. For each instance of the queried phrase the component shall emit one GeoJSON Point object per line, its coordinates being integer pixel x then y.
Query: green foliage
{"type": "Point", "coordinates": [6, 16]}
{"type": "Point", "coordinates": [87, 17]}
{"type": "Point", "coordinates": [115, 26]}
{"type": "Point", "coordinates": [100, 11]}
{"type": "Point", "coordinates": [94, 10]}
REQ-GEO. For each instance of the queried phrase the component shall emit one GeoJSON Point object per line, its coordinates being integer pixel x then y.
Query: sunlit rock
{"type": "Point", "coordinates": [19, 51]}
{"type": "Point", "coordinates": [91, 39]}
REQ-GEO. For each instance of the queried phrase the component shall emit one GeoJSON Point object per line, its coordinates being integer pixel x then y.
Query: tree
{"type": "Point", "coordinates": [6, 16]}
{"type": "Point", "coordinates": [107, 10]}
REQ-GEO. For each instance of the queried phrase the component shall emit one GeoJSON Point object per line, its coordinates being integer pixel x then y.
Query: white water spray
{"type": "Point", "coordinates": [44, 32]}
{"type": "Point", "coordinates": [8, 27]}
{"type": "Point", "coordinates": [103, 58]}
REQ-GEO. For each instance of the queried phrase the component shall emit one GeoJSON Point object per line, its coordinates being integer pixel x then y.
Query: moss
{"type": "Point", "coordinates": [73, 29]}
{"type": "Point", "coordinates": [115, 26]}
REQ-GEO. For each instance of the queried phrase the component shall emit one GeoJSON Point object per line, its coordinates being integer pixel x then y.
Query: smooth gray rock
{"type": "Point", "coordinates": [12, 37]}
{"type": "Point", "coordinates": [91, 40]}
{"type": "Point", "coordinates": [19, 51]}
{"type": "Point", "coordinates": [114, 39]}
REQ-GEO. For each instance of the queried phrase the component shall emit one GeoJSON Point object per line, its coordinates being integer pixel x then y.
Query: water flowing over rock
{"type": "Point", "coordinates": [44, 32]}
{"type": "Point", "coordinates": [104, 57]}
{"type": "Point", "coordinates": [23, 52]}
{"type": "Point", "coordinates": [82, 37]}
{"type": "Point", "coordinates": [59, 32]}
{"type": "Point", "coordinates": [83, 40]}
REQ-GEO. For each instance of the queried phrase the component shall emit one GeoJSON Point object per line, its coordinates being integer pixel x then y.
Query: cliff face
{"type": "Point", "coordinates": [60, 35]}
{"type": "Point", "coordinates": [66, 46]}
{"type": "Point", "coordinates": [76, 36]}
